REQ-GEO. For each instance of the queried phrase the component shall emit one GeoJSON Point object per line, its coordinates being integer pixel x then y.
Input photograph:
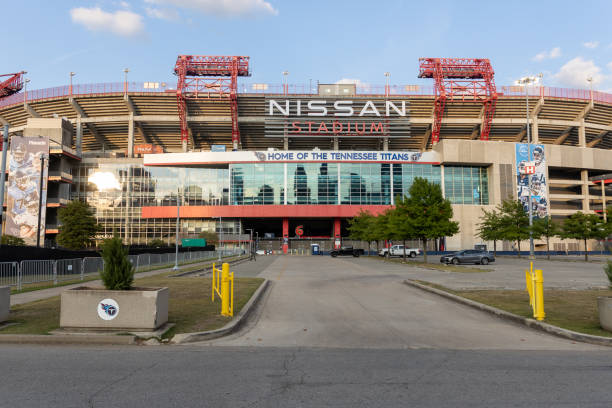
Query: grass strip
{"type": "Point", "coordinates": [574, 310]}
{"type": "Point", "coordinates": [190, 306]}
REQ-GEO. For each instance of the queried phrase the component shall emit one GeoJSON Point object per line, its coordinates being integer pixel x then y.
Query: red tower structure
{"type": "Point", "coordinates": [9, 87]}
{"type": "Point", "coordinates": [205, 76]}
{"type": "Point", "coordinates": [461, 79]}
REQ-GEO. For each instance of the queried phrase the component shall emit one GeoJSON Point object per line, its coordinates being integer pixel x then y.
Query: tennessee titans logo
{"type": "Point", "coordinates": [109, 309]}
{"type": "Point", "coordinates": [260, 156]}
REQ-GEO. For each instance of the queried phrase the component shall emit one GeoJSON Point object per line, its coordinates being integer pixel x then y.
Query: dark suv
{"type": "Point", "coordinates": [347, 251]}
{"type": "Point", "coordinates": [468, 256]}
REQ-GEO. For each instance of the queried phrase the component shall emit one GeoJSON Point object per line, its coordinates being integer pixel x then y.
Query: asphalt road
{"type": "Point", "coordinates": [331, 332]}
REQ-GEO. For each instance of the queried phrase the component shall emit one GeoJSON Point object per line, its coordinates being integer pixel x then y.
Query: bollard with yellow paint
{"type": "Point", "coordinates": [225, 300]}
{"type": "Point", "coordinates": [535, 287]}
{"type": "Point", "coordinates": [223, 285]}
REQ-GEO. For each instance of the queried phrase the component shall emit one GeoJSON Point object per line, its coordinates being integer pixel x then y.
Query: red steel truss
{"type": "Point", "coordinates": [10, 86]}
{"type": "Point", "coordinates": [461, 79]}
{"type": "Point", "coordinates": [205, 76]}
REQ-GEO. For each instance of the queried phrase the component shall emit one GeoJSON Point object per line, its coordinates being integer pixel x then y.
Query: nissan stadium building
{"type": "Point", "coordinates": [293, 163]}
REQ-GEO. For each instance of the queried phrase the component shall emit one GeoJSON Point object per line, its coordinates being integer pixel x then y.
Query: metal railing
{"type": "Point", "coordinates": [17, 274]}
{"type": "Point", "coordinates": [80, 90]}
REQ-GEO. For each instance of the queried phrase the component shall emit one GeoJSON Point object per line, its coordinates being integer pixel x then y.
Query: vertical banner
{"type": "Point", "coordinates": [531, 164]}
{"type": "Point", "coordinates": [24, 188]}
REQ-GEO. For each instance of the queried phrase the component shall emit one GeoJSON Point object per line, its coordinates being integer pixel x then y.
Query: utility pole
{"type": "Point", "coordinates": [178, 209]}
{"type": "Point", "coordinates": [40, 196]}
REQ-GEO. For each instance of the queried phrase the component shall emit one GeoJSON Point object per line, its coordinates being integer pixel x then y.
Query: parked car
{"type": "Point", "coordinates": [346, 251]}
{"type": "Point", "coordinates": [468, 256]}
{"type": "Point", "coordinates": [398, 250]}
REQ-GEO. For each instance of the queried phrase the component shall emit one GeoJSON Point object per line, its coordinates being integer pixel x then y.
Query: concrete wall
{"type": "Point", "coordinates": [59, 130]}
{"type": "Point", "coordinates": [5, 302]}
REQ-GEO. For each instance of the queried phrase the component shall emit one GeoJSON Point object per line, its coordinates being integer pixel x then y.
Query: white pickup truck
{"type": "Point", "coordinates": [398, 250]}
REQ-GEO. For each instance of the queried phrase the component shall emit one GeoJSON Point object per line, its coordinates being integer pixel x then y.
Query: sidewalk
{"type": "Point", "coordinates": [50, 292]}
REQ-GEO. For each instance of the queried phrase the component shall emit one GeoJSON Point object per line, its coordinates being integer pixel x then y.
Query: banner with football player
{"type": "Point", "coordinates": [531, 165]}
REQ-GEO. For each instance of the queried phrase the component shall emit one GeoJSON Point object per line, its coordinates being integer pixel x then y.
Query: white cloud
{"type": "Point", "coordinates": [124, 23]}
{"type": "Point", "coordinates": [576, 71]}
{"type": "Point", "coordinates": [162, 14]}
{"type": "Point", "coordinates": [591, 44]}
{"type": "Point", "coordinates": [554, 53]}
{"type": "Point", "coordinates": [223, 8]}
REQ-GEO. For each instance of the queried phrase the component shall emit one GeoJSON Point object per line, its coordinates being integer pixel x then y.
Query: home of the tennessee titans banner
{"type": "Point", "coordinates": [526, 154]}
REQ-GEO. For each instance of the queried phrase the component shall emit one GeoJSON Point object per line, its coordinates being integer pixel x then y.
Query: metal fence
{"type": "Point", "coordinates": [21, 273]}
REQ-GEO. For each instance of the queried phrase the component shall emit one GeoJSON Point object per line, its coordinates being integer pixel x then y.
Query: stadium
{"type": "Point", "coordinates": [292, 163]}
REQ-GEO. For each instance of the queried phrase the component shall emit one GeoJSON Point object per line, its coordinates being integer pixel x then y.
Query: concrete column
{"type": "Point", "coordinates": [581, 134]}
{"type": "Point", "coordinates": [584, 177]}
{"type": "Point", "coordinates": [285, 235]}
{"type": "Point", "coordinates": [286, 143]}
{"type": "Point", "coordinates": [335, 143]}
{"type": "Point", "coordinates": [534, 130]}
{"type": "Point", "coordinates": [130, 148]}
{"type": "Point", "coordinates": [79, 136]}
{"type": "Point", "coordinates": [184, 142]}
{"type": "Point", "coordinates": [337, 235]}
{"type": "Point", "coordinates": [386, 144]}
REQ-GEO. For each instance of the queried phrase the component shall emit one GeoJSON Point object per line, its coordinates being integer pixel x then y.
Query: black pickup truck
{"type": "Point", "coordinates": [346, 251]}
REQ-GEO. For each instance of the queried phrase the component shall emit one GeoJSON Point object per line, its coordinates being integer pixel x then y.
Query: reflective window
{"type": "Point", "coordinates": [466, 185]}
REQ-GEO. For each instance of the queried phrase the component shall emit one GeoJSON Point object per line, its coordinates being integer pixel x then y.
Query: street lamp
{"type": "Point", "coordinates": [285, 84]}
{"type": "Point", "coordinates": [590, 81]}
{"type": "Point", "coordinates": [125, 82]}
{"type": "Point", "coordinates": [178, 209]}
{"type": "Point", "coordinates": [526, 81]}
{"type": "Point", "coordinates": [40, 196]}
{"type": "Point", "coordinates": [387, 75]}
{"type": "Point", "coordinates": [250, 242]}
{"type": "Point", "coordinates": [220, 237]}
{"type": "Point", "coordinates": [70, 88]}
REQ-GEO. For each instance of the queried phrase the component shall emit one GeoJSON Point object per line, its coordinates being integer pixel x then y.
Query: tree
{"type": "Point", "coordinates": [211, 237]}
{"type": "Point", "coordinates": [513, 222]}
{"type": "Point", "coordinates": [78, 225]}
{"type": "Point", "coordinates": [584, 226]}
{"type": "Point", "coordinates": [12, 240]}
{"type": "Point", "coordinates": [400, 223]}
{"type": "Point", "coordinates": [426, 213]}
{"type": "Point", "coordinates": [118, 272]}
{"type": "Point", "coordinates": [361, 228]}
{"type": "Point", "coordinates": [489, 228]}
{"type": "Point", "coordinates": [157, 243]}
{"type": "Point", "coordinates": [545, 227]}
{"type": "Point", "coordinates": [381, 230]}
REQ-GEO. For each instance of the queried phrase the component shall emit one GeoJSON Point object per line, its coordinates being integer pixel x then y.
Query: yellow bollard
{"type": "Point", "coordinates": [213, 283]}
{"type": "Point", "coordinates": [225, 309]}
{"type": "Point", "coordinates": [539, 289]}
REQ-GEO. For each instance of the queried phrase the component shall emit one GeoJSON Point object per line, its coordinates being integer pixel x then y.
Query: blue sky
{"type": "Point", "coordinates": [314, 40]}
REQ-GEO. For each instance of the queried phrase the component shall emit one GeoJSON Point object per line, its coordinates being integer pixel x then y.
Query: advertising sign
{"type": "Point", "coordinates": [148, 148]}
{"type": "Point", "coordinates": [531, 165]}
{"type": "Point", "coordinates": [24, 187]}
{"type": "Point", "coordinates": [317, 117]}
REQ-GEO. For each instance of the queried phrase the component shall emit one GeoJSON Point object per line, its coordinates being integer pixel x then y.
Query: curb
{"type": "Point", "coordinates": [229, 328]}
{"type": "Point", "coordinates": [67, 339]}
{"type": "Point", "coordinates": [534, 324]}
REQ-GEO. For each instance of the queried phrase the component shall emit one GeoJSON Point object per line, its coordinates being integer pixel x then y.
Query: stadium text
{"type": "Point", "coordinates": [340, 108]}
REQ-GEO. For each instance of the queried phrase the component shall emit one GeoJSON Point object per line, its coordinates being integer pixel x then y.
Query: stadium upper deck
{"type": "Point", "coordinates": [107, 114]}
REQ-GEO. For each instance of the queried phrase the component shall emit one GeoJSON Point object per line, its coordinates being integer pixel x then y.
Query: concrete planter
{"type": "Point", "coordinates": [135, 309]}
{"type": "Point", "coordinates": [5, 302]}
{"type": "Point", "coordinates": [604, 304]}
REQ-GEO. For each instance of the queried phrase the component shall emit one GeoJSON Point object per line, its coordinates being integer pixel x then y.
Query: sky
{"type": "Point", "coordinates": [316, 40]}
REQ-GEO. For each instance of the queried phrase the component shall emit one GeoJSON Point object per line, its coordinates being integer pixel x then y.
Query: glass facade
{"type": "Point", "coordinates": [466, 185]}
{"type": "Point", "coordinates": [117, 191]}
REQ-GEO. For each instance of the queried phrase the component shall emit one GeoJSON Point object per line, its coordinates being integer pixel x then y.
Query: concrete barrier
{"type": "Point", "coordinates": [604, 305]}
{"type": "Point", "coordinates": [5, 302]}
{"type": "Point", "coordinates": [138, 308]}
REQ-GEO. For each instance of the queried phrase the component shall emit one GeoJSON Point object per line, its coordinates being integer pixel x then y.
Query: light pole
{"type": "Point", "coordinates": [220, 237]}
{"type": "Point", "coordinates": [250, 242]}
{"type": "Point", "coordinates": [387, 90]}
{"type": "Point", "coordinates": [70, 88]}
{"type": "Point", "coordinates": [178, 216]}
{"type": "Point", "coordinates": [25, 90]}
{"type": "Point", "coordinates": [125, 82]}
{"type": "Point", "coordinates": [285, 84]}
{"type": "Point", "coordinates": [3, 174]}
{"type": "Point", "coordinates": [526, 81]}
{"type": "Point", "coordinates": [590, 81]}
{"type": "Point", "coordinates": [40, 196]}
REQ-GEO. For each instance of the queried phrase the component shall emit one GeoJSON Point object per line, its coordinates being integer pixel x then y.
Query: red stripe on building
{"type": "Point", "coordinates": [262, 211]}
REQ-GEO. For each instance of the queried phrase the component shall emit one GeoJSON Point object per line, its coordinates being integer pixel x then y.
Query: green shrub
{"type": "Point", "coordinates": [608, 271]}
{"type": "Point", "coordinates": [118, 272]}
{"type": "Point", "coordinates": [12, 240]}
